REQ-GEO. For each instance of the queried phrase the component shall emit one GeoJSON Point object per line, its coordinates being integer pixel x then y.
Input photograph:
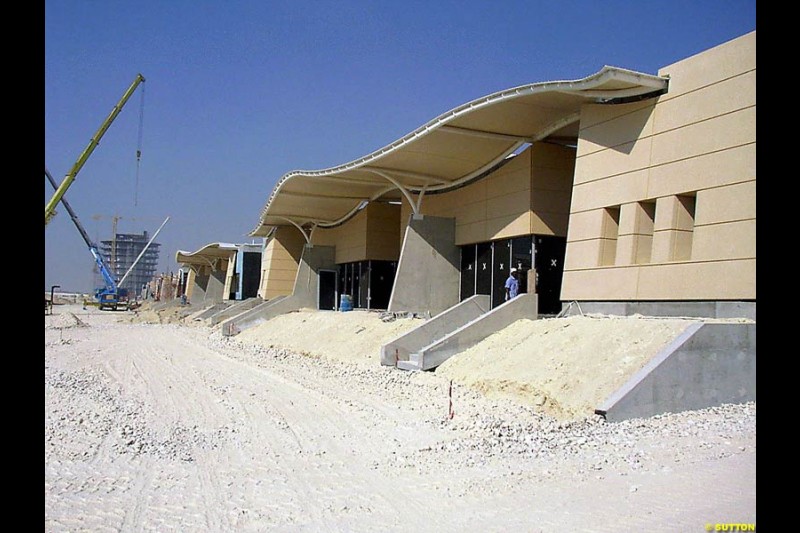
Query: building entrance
{"type": "Point", "coordinates": [485, 267]}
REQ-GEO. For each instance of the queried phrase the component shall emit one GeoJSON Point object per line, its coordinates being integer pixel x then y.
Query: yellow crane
{"type": "Point", "coordinates": [49, 209]}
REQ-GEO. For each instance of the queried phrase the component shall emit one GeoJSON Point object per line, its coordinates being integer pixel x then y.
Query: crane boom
{"type": "Point", "coordinates": [111, 291]}
{"type": "Point", "coordinates": [49, 210]}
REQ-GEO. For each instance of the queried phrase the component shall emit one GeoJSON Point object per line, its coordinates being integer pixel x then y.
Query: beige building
{"type": "Point", "coordinates": [622, 191]}
{"type": "Point", "coordinates": [221, 271]}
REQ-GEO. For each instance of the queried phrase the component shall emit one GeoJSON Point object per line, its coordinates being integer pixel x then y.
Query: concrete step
{"type": "Point", "coordinates": [408, 365]}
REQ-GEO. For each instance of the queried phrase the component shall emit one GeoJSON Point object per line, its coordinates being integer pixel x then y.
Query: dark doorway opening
{"type": "Point", "coordinates": [549, 259]}
{"type": "Point", "coordinates": [327, 290]}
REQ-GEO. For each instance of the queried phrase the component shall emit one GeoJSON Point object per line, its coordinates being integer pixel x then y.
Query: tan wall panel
{"type": "Point", "coordinates": [508, 226]}
{"type": "Point", "coordinates": [719, 280]}
{"type": "Point", "coordinates": [405, 215]}
{"type": "Point", "coordinates": [544, 223]}
{"type": "Point", "coordinates": [593, 114]}
{"type": "Point", "coordinates": [551, 156]}
{"type": "Point", "coordinates": [721, 62]}
{"type": "Point", "coordinates": [634, 219]}
{"type": "Point", "coordinates": [517, 182]}
{"type": "Point", "coordinates": [279, 262]}
{"type": "Point", "coordinates": [553, 179]}
{"type": "Point", "coordinates": [190, 282]}
{"type": "Point", "coordinates": [668, 212]}
{"type": "Point", "coordinates": [380, 211]}
{"type": "Point", "coordinates": [734, 240]}
{"type": "Point", "coordinates": [633, 250]}
{"type": "Point", "coordinates": [468, 214]}
{"type": "Point", "coordinates": [324, 237]}
{"type": "Point", "coordinates": [471, 233]}
{"type": "Point", "coordinates": [584, 225]}
{"type": "Point", "coordinates": [349, 255]}
{"type": "Point", "coordinates": [613, 283]}
{"type": "Point", "coordinates": [584, 254]}
{"type": "Point", "coordinates": [278, 288]}
{"type": "Point", "coordinates": [510, 204]}
{"type": "Point", "coordinates": [551, 201]}
{"type": "Point", "coordinates": [627, 158]}
{"type": "Point", "coordinates": [665, 246]}
{"type": "Point", "coordinates": [613, 191]}
{"type": "Point", "coordinates": [715, 100]}
{"type": "Point", "coordinates": [727, 167]}
{"type": "Point", "coordinates": [626, 127]}
{"type": "Point", "coordinates": [383, 235]}
{"type": "Point", "coordinates": [734, 202]}
{"type": "Point", "coordinates": [712, 135]}
{"type": "Point", "coordinates": [625, 253]}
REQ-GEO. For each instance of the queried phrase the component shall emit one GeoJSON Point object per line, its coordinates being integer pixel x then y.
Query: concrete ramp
{"type": "Point", "coordinates": [430, 356]}
{"type": "Point", "coordinates": [707, 365]}
{"type": "Point", "coordinates": [400, 348]}
{"type": "Point", "coordinates": [233, 310]}
{"type": "Point", "coordinates": [210, 310]}
{"type": "Point", "coordinates": [258, 314]}
{"type": "Point", "coordinates": [304, 294]}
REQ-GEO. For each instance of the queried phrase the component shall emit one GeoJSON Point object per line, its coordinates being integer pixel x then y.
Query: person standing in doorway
{"type": "Point", "coordinates": [512, 284]}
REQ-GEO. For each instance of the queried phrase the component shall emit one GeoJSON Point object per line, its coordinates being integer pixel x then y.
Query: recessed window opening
{"type": "Point", "coordinates": [609, 236]}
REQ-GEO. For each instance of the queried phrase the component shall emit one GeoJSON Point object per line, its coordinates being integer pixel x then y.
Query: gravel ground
{"type": "Point", "coordinates": [155, 427]}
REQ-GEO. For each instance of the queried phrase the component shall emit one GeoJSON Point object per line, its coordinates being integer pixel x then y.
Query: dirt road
{"type": "Point", "coordinates": [166, 427]}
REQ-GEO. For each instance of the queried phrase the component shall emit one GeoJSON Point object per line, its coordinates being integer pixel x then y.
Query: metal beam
{"type": "Point", "coordinates": [306, 236]}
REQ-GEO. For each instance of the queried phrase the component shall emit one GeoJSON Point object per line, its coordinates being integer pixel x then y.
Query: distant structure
{"type": "Point", "coordinates": [122, 251]}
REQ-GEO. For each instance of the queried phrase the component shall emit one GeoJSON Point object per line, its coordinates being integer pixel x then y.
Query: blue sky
{"type": "Point", "coordinates": [238, 93]}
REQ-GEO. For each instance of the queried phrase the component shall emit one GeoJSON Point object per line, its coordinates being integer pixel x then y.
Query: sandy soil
{"type": "Point", "coordinates": [166, 427]}
{"type": "Point", "coordinates": [566, 367]}
{"type": "Point", "coordinates": [354, 337]}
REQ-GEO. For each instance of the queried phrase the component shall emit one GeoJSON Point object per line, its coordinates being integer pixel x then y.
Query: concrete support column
{"type": "Point", "coordinates": [427, 279]}
{"type": "Point", "coordinates": [200, 285]}
{"type": "Point", "coordinates": [314, 258]}
{"type": "Point", "coordinates": [216, 285]}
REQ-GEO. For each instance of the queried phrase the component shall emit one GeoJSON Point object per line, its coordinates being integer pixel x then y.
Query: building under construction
{"type": "Point", "coordinates": [121, 252]}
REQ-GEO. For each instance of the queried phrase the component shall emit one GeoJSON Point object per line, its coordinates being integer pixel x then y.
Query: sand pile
{"type": "Point", "coordinates": [564, 366]}
{"type": "Point", "coordinates": [64, 320]}
{"type": "Point", "coordinates": [354, 336]}
{"type": "Point", "coordinates": [148, 314]}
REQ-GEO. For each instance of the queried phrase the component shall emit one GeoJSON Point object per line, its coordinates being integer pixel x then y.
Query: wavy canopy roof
{"type": "Point", "coordinates": [210, 254]}
{"type": "Point", "coordinates": [451, 149]}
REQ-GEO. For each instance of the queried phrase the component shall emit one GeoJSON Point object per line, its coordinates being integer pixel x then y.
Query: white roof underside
{"type": "Point", "coordinates": [451, 149]}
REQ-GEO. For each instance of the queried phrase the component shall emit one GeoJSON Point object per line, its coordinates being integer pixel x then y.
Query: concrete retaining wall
{"type": "Point", "coordinates": [707, 365]}
{"type": "Point", "coordinates": [304, 295]}
{"type": "Point", "coordinates": [215, 290]}
{"type": "Point", "coordinates": [427, 280]}
{"type": "Point", "coordinates": [707, 309]}
{"type": "Point", "coordinates": [233, 310]}
{"type": "Point", "coordinates": [401, 347]}
{"type": "Point", "coordinates": [251, 317]}
{"type": "Point", "coordinates": [211, 309]}
{"type": "Point", "coordinates": [523, 306]}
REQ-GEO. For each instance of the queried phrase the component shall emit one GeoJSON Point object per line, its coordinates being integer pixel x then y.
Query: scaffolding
{"type": "Point", "coordinates": [122, 251]}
